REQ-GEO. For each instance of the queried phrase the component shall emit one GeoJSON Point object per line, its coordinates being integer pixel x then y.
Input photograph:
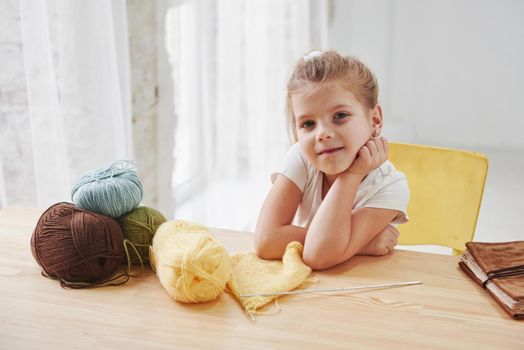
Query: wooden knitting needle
{"type": "Point", "coordinates": [373, 286]}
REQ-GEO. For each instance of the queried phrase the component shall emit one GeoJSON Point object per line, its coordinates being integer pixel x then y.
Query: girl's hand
{"type": "Point", "coordinates": [383, 243]}
{"type": "Point", "coordinates": [370, 156]}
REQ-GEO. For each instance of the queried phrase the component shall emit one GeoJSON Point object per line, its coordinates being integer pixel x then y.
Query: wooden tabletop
{"type": "Point", "coordinates": [448, 311]}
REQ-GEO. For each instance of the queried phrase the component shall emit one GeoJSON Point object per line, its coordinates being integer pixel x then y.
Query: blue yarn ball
{"type": "Point", "coordinates": [112, 191]}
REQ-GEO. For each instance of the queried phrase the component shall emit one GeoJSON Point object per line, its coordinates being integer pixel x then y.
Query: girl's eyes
{"type": "Point", "coordinates": [307, 124]}
{"type": "Point", "coordinates": [340, 115]}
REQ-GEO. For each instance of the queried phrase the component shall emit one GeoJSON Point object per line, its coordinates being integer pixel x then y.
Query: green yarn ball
{"type": "Point", "coordinates": [139, 227]}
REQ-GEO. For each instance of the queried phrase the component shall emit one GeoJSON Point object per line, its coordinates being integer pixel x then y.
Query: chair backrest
{"type": "Point", "coordinates": [446, 188]}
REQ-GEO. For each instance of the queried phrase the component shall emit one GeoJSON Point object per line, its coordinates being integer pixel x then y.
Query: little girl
{"type": "Point", "coordinates": [337, 194]}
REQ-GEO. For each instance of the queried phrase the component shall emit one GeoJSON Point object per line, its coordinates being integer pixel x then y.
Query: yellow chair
{"type": "Point", "coordinates": [446, 188]}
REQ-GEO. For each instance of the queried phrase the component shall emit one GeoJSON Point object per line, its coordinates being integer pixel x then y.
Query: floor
{"type": "Point", "coordinates": [236, 205]}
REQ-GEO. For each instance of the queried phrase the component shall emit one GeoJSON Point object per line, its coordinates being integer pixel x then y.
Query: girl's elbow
{"type": "Point", "coordinates": [261, 250]}
{"type": "Point", "coordinates": [317, 265]}
{"type": "Point", "coordinates": [262, 246]}
{"type": "Point", "coordinates": [316, 261]}
{"type": "Point", "coordinates": [323, 261]}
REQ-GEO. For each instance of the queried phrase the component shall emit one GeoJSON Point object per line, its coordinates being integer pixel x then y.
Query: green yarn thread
{"type": "Point", "coordinates": [139, 227]}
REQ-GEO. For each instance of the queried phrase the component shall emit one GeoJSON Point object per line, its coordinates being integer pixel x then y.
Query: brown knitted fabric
{"type": "Point", "coordinates": [76, 245]}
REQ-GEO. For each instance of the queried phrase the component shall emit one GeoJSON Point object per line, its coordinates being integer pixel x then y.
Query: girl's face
{"type": "Point", "coordinates": [332, 125]}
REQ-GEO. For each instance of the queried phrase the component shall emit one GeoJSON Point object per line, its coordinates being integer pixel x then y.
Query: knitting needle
{"type": "Point", "coordinates": [373, 286]}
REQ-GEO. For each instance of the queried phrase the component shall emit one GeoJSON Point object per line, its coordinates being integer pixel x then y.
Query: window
{"type": "Point", "coordinates": [230, 62]}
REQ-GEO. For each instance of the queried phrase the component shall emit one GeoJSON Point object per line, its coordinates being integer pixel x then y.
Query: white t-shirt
{"type": "Point", "coordinates": [384, 187]}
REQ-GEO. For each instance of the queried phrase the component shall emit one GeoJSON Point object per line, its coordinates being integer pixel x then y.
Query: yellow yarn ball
{"type": "Point", "coordinates": [190, 264]}
{"type": "Point", "coordinates": [169, 228]}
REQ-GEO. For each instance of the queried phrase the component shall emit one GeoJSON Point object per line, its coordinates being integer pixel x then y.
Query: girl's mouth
{"type": "Point", "coordinates": [330, 150]}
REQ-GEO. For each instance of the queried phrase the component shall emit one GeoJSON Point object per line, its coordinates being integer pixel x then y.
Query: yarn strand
{"type": "Point", "coordinates": [126, 243]}
{"type": "Point", "coordinates": [274, 312]}
{"type": "Point", "coordinates": [113, 281]}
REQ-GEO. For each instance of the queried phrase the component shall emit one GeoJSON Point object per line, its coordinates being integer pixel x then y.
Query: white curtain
{"type": "Point", "coordinates": [230, 61]}
{"type": "Point", "coordinates": [76, 114]}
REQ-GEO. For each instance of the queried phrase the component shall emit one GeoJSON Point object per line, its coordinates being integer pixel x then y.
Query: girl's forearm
{"type": "Point", "coordinates": [330, 231]}
{"type": "Point", "coordinates": [272, 243]}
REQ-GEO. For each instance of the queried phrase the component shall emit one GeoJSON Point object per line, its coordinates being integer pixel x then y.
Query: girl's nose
{"type": "Point", "coordinates": [324, 133]}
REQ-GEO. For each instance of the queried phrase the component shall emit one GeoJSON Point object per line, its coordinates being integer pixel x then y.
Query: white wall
{"type": "Point", "coordinates": [451, 72]}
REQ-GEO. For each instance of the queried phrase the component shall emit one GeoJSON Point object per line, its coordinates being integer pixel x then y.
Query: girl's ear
{"type": "Point", "coordinates": [376, 117]}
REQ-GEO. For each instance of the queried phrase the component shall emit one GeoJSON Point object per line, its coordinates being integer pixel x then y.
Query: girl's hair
{"type": "Point", "coordinates": [331, 66]}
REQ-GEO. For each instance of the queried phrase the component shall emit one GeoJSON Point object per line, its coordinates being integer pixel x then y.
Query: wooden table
{"type": "Point", "coordinates": [448, 311]}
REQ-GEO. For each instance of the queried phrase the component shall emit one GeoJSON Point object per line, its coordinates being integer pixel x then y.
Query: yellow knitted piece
{"type": "Point", "coordinates": [252, 275]}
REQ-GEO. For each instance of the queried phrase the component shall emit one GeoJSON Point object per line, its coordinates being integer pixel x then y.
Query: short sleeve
{"type": "Point", "coordinates": [393, 196]}
{"type": "Point", "coordinates": [295, 168]}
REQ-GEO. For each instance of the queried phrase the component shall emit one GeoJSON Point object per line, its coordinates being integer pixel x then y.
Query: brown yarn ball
{"type": "Point", "coordinates": [75, 245]}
